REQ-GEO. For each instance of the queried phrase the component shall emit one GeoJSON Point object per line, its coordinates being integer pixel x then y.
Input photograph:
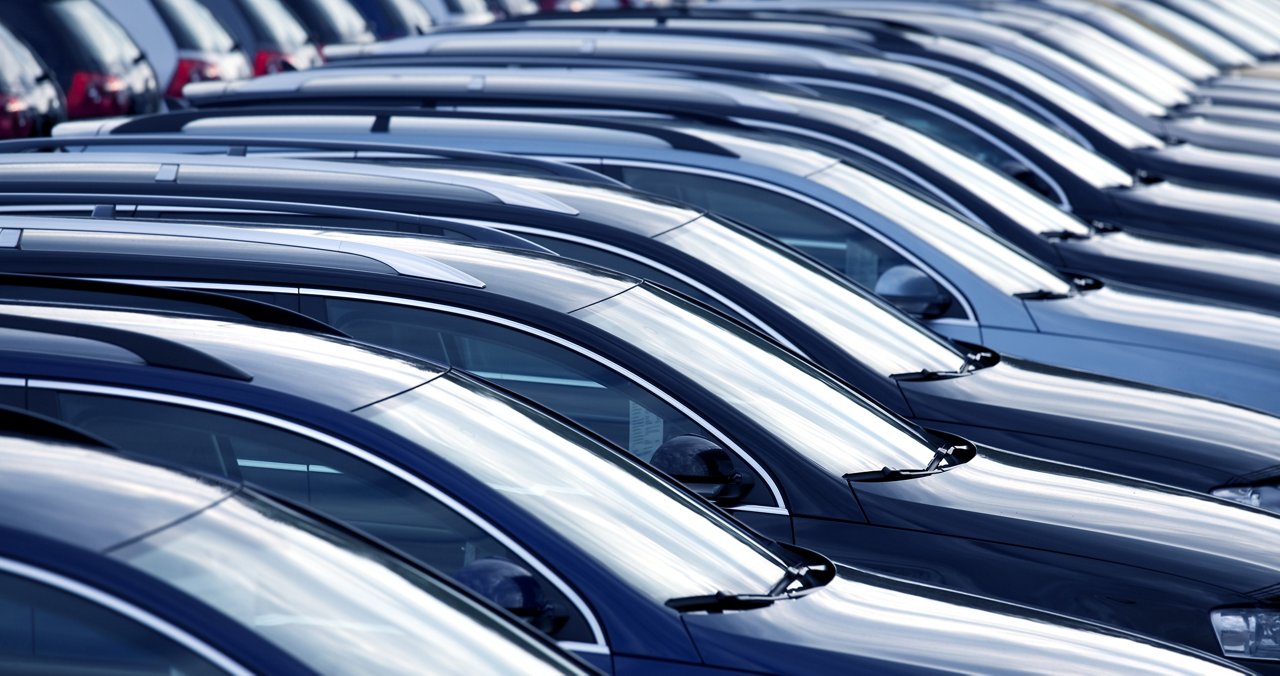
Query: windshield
{"type": "Point", "coordinates": [335, 603]}
{"type": "Point", "coordinates": [1093, 168]}
{"type": "Point", "coordinates": [819, 417]}
{"type": "Point", "coordinates": [1023, 206]}
{"type": "Point", "coordinates": [194, 27]}
{"type": "Point", "coordinates": [1114, 127]}
{"type": "Point", "coordinates": [663, 542]}
{"type": "Point", "coordinates": [864, 328]}
{"type": "Point", "coordinates": [983, 254]}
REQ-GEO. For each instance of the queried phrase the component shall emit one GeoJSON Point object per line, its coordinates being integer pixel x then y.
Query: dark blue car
{"type": "Point", "coordinates": [113, 565]}
{"type": "Point", "coordinates": [786, 447]}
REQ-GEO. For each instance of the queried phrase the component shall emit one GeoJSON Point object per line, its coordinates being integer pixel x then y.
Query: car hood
{"type": "Point", "coordinates": [860, 621]}
{"type": "Point", "coordinates": [1235, 171]}
{"type": "Point", "coordinates": [1155, 433]}
{"type": "Point", "coordinates": [1224, 135]}
{"type": "Point", "coordinates": [1120, 315]}
{"type": "Point", "coordinates": [1018, 500]}
{"type": "Point", "coordinates": [1210, 216]}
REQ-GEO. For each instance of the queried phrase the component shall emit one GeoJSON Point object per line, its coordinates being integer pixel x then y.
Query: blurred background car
{"type": "Point", "coordinates": [390, 19]}
{"type": "Point", "coordinates": [183, 40]}
{"type": "Point", "coordinates": [100, 69]}
{"type": "Point", "coordinates": [269, 32]}
{"type": "Point", "coordinates": [332, 22]}
{"type": "Point", "coordinates": [31, 103]}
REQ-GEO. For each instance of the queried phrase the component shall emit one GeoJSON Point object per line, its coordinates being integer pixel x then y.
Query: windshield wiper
{"type": "Point", "coordinates": [722, 601]}
{"type": "Point", "coordinates": [1041, 294]}
{"type": "Point", "coordinates": [941, 454]}
{"type": "Point", "coordinates": [972, 362]}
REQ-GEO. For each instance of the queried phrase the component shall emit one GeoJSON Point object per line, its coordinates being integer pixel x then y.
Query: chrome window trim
{"type": "Point", "coordinates": [947, 115]}
{"type": "Point", "coordinates": [122, 607]}
{"type": "Point", "coordinates": [854, 148]}
{"type": "Point", "coordinates": [600, 359]}
{"type": "Point", "coordinates": [13, 382]}
{"type": "Point", "coordinates": [819, 205]}
{"type": "Point", "coordinates": [600, 646]}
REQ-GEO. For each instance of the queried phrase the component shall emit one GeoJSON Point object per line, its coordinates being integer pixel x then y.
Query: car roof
{"type": "Point", "coordinates": [324, 369]}
{"type": "Point", "coordinates": [542, 279]}
{"type": "Point", "coordinates": [115, 499]}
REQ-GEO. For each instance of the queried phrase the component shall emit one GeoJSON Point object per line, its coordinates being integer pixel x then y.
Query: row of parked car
{"type": "Point", "coordinates": [754, 337]}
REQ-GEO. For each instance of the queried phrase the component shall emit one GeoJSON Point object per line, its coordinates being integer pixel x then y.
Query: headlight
{"type": "Point", "coordinates": [1250, 633]}
{"type": "Point", "coordinates": [1264, 497]}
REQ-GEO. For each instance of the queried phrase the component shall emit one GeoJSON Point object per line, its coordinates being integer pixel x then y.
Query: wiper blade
{"type": "Point", "coordinates": [1041, 294]}
{"type": "Point", "coordinates": [941, 454]}
{"type": "Point", "coordinates": [720, 602]}
{"type": "Point", "coordinates": [793, 574]}
{"type": "Point", "coordinates": [972, 361]}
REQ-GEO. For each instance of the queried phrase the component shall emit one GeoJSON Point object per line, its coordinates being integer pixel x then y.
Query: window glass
{"type": "Point", "coordinates": [194, 27]}
{"type": "Point", "coordinates": [336, 21]}
{"type": "Point", "coordinates": [664, 542]}
{"type": "Point", "coordinates": [553, 375]}
{"type": "Point", "coordinates": [300, 469]}
{"type": "Point", "coordinates": [274, 22]}
{"type": "Point", "coordinates": [44, 630]}
{"type": "Point", "coordinates": [810, 411]}
{"type": "Point", "coordinates": [97, 32]}
{"type": "Point", "coordinates": [332, 601]}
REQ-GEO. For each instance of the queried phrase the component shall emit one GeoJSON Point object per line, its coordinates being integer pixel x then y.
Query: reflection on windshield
{"type": "Point", "coordinates": [813, 413]}
{"type": "Point", "coordinates": [334, 603]}
{"type": "Point", "coordinates": [987, 256]}
{"type": "Point", "coordinates": [1109, 124]}
{"type": "Point", "coordinates": [663, 542]}
{"type": "Point", "coordinates": [1023, 206]}
{"type": "Point", "coordinates": [866, 329]}
{"type": "Point", "coordinates": [1088, 165]}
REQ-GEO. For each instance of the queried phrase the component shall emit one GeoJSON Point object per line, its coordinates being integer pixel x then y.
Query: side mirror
{"type": "Point", "coordinates": [913, 292]}
{"type": "Point", "coordinates": [515, 589]}
{"type": "Point", "coordinates": [707, 469]}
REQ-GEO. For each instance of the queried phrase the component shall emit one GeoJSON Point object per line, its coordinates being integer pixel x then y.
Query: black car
{"type": "Point", "coordinates": [269, 33]}
{"type": "Point", "coordinates": [100, 69]}
{"type": "Point", "coordinates": [390, 19]}
{"type": "Point", "coordinates": [783, 445]}
{"type": "Point", "coordinates": [332, 22]}
{"type": "Point", "coordinates": [30, 101]}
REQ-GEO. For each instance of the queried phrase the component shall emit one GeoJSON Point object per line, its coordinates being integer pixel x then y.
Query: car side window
{"type": "Point", "coordinates": [44, 630]}
{"type": "Point", "coordinates": [831, 240]}
{"type": "Point", "coordinates": [578, 388]}
{"type": "Point", "coordinates": [306, 471]}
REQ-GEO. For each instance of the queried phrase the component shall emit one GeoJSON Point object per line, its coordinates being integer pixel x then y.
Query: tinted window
{"type": "Point", "coordinates": [333, 21]}
{"type": "Point", "coordinates": [274, 23]}
{"type": "Point", "coordinates": [97, 32]}
{"type": "Point", "coordinates": [47, 631]}
{"type": "Point", "coordinates": [303, 470]}
{"type": "Point", "coordinates": [563, 380]}
{"type": "Point", "coordinates": [194, 27]}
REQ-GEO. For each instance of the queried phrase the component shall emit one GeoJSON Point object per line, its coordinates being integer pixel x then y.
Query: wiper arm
{"type": "Point", "coordinates": [720, 602]}
{"type": "Point", "coordinates": [941, 454]}
{"type": "Point", "coordinates": [1041, 294]}
{"type": "Point", "coordinates": [792, 574]}
{"type": "Point", "coordinates": [972, 361]}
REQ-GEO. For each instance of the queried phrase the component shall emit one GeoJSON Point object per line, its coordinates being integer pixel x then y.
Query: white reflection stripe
{"type": "Point", "coordinates": [540, 380]}
{"type": "Point", "coordinates": [286, 466]}
{"type": "Point", "coordinates": [127, 609]}
{"type": "Point", "coordinates": [394, 470]}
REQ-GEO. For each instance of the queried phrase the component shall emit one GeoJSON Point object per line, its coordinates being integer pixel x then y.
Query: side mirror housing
{"type": "Point", "coordinates": [913, 292]}
{"type": "Point", "coordinates": [515, 589]}
{"type": "Point", "coordinates": [703, 466]}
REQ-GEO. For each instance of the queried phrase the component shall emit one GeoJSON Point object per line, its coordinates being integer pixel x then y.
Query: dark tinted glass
{"type": "Point", "coordinates": [332, 21]}
{"type": "Point", "coordinates": [273, 23]}
{"type": "Point", "coordinates": [48, 631]}
{"type": "Point", "coordinates": [304, 470]}
{"type": "Point", "coordinates": [194, 27]}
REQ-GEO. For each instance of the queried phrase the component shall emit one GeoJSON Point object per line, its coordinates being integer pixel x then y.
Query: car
{"type": "Point", "coordinates": [99, 68]}
{"type": "Point", "coordinates": [112, 564]}
{"type": "Point", "coordinates": [785, 462]}
{"type": "Point", "coordinates": [642, 577]}
{"type": "Point", "coordinates": [269, 32]}
{"type": "Point", "coordinates": [183, 41]}
{"type": "Point", "coordinates": [1081, 182]}
{"type": "Point", "coordinates": [332, 22]}
{"type": "Point", "coordinates": [1033, 313]}
{"type": "Point", "coordinates": [32, 104]}
{"type": "Point", "coordinates": [390, 19]}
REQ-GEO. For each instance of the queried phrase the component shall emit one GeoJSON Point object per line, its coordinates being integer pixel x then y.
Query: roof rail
{"type": "Point", "coordinates": [154, 351]}
{"type": "Point", "coordinates": [245, 308]}
{"type": "Point", "coordinates": [174, 122]}
{"type": "Point", "coordinates": [404, 264]}
{"type": "Point", "coordinates": [106, 206]}
{"type": "Point", "coordinates": [237, 147]}
{"type": "Point", "coordinates": [24, 423]}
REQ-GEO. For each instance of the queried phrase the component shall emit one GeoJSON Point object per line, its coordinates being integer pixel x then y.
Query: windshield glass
{"type": "Point", "coordinates": [865, 328]}
{"type": "Point", "coordinates": [1023, 206]}
{"type": "Point", "coordinates": [1103, 121]}
{"type": "Point", "coordinates": [663, 542]}
{"type": "Point", "coordinates": [812, 412]}
{"type": "Point", "coordinates": [335, 603]}
{"type": "Point", "coordinates": [984, 254]}
{"type": "Point", "coordinates": [194, 27]}
{"type": "Point", "coordinates": [1097, 170]}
